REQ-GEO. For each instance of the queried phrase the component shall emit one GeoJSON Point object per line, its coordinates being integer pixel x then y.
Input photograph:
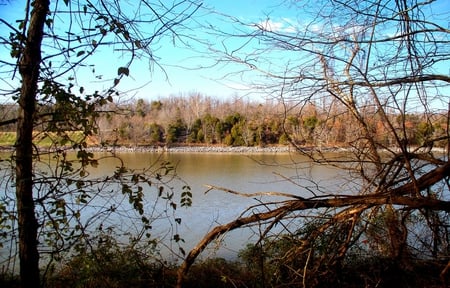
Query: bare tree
{"type": "Point", "coordinates": [51, 49]}
{"type": "Point", "coordinates": [378, 63]}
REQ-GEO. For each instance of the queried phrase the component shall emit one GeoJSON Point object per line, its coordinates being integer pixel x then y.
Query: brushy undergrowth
{"type": "Point", "coordinates": [128, 268]}
{"type": "Point", "coordinates": [105, 262]}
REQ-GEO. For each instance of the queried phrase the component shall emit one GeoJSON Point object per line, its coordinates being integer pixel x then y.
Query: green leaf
{"type": "Point", "coordinates": [186, 194]}
{"type": "Point", "coordinates": [186, 202]}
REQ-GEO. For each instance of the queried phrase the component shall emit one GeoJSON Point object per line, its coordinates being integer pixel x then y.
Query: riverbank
{"type": "Point", "coordinates": [209, 149]}
{"type": "Point", "coordinates": [179, 149]}
{"type": "Point", "coordinates": [197, 149]}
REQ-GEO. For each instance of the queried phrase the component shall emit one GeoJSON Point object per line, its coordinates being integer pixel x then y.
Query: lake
{"type": "Point", "coordinates": [262, 172]}
{"type": "Point", "coordinates": [259, 172]}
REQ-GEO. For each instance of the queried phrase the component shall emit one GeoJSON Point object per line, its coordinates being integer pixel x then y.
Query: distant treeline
{"type": "Point", "coordinates": [198, 120]}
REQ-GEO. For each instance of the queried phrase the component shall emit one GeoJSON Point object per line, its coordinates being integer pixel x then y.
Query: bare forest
{"type": "Point", "coordinates": [203, 120]}
{"type": "Point", "coordinates": [371, 77]}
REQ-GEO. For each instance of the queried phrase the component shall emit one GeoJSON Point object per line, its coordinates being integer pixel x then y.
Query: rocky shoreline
{"type": "Point", "coordinates": [206, 149]}
{"type": "Point", "coordinates": [197, 149]}
{"type": "Point", "coordinates": [176, 149]}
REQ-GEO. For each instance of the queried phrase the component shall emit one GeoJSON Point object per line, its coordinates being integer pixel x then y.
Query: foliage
{"type": "Point", "coordinates": [156, 133]}
{"type": "Point", "coordinates": [358, 75]}
{"type": "Point", "coordinates": [107, 263]}
{"type": "Point", "coordinates": [365, 75]}
{"type": "Point", "coordinates": [281, 267]}
{"type": "Point", "coordinates": [176, 131]}
{"type": "Point", "coordinates": [58, 203]}
{"type": "Point", "coordinates": [74, 212]}
{"type": "Point", "coordinates": [218, 272]}
{"type": "Point", "coordinates": [274, 263]}
{"type": "Point", "coordinates": [247, 129]}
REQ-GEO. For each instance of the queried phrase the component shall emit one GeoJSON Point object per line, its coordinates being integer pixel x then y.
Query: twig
{"type": "Point", "coordinates": [250, 195]}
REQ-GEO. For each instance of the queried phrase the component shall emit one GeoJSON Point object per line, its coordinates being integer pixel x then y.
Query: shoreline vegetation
{"type": "Point", "coordinates": [167, 125]}
{"type": "Point", "coordinates": [44, 144]}
{"type": "Point", "coordinates": [180, 148]}
{"type": "Point", "coordinates": [197, 149]}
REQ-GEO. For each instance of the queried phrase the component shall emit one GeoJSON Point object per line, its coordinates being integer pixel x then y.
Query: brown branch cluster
{"type": "Point", "coordinates": [353, 205]}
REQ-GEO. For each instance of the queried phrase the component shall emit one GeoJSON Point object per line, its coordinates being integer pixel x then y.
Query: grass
{"type": "Point", "coordinates": [7, 138]}
{"type": "Point", "coordinates": [44, 140]}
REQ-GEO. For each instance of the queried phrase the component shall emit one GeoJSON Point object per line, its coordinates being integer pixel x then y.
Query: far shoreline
{"type": "Point", "coordinates": [173, 149]}
{"type": "Point", "coordinates": [218, 149]}
{"type": "Point", "coordinates": [196, 149]}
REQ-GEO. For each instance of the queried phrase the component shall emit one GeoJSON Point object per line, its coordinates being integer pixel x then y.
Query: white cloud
{"type": "Point", "coordinates": [277, 26]}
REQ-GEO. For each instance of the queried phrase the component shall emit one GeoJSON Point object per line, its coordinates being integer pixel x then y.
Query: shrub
{"type": "Point", "coordinates": [111, 265]}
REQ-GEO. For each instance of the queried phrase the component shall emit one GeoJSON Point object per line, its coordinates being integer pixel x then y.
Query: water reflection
{"type": "Point", "coordinates": [243, 173]}
{"type": "Point", "coordinates": [281, 172]}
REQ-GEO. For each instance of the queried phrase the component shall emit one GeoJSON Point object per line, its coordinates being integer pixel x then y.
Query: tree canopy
{"type": "Point", "coordinates": [52, 56]}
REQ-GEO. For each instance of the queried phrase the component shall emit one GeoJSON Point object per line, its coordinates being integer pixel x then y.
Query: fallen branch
{"type": "Point", "coordinates": [212, 187]}
{"type": "Point", "coordinates": [304, 204]}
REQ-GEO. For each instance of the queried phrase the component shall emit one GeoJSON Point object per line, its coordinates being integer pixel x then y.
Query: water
{"type": "Point", "coordinates": [255, 173]}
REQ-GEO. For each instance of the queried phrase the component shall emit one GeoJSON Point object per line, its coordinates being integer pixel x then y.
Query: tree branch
{"type": "Point", "coordinates": [335, 202]}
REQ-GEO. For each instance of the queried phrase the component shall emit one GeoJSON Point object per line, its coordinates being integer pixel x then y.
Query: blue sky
{"type": "Point", "coordinates": [215, 81]}
{"type": "Point", "coordinates": [182, 65]}
{"type": "Point", "coordinates": [149, 81]}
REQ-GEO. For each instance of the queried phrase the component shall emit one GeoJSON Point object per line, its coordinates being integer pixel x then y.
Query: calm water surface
{"type": "Point", "coordinates": [244, 173]}
{"type": "Point", "coordinates": [281, 172]}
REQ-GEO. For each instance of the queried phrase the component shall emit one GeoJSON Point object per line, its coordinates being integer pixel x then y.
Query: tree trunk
{"type": "Point", "coordinates": [29, 70]}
